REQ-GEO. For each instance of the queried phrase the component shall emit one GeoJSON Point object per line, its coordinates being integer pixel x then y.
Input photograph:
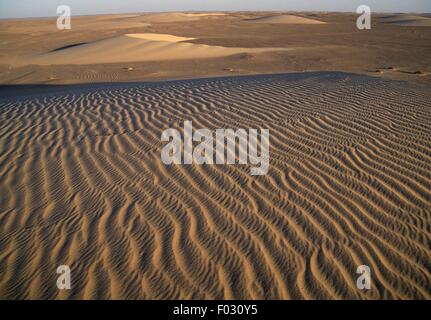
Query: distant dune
{"type": "Point", "coordinates": [158, 37]}
{"type": "Point", "coordinates": [78, 24]}
{"type": "Point", "coordinates": [117, 47]}
{"type": "Point", "coordinates": [134, 47]}
{"type": "Point", "coordinates": [207, 14]}
{"type": "Point", "coordinates": [407, 20]}
{"type": "Point", "coordinates": [285, 19]}
{"type": "Point", "coordinates": [177, 16]}
{"type": "Point", "coordinates": [82, 184]}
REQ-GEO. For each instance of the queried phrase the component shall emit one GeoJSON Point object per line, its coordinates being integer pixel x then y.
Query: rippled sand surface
{"type": "Point", "coordinates": [82, 184]}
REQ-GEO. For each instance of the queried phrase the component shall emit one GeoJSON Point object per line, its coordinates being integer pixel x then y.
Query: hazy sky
{"type": "Point", "coordinates": [41, 8]}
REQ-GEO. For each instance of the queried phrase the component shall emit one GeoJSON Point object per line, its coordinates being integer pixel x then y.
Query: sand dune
{"type": "Point", "coordinates": [407, 20]}
{"type": "Point", "coordinates": [309, 48]}
{"type": "Point", "coordinates": [134, 47]}
{"type": "Point", "coordinates": [82, 184]}
{"type": "Point", "coordinates": [207, 14]}
{"type": "Point", "coordinates": [80, 24]}
{"type": "Point", "coordinates": [109, 25]}
{"type": "Point", "coordinates": [178, 17]}
{"type": "Point", "coordinates": [285, 19]}
{"type": "Point", "coordinates": [107, 22]}
{"type": "Point", "coordinates": [158, 37]}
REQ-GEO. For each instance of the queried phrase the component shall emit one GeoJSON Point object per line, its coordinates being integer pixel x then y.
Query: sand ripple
{"type": "Point", "coordinates": [82, 184]}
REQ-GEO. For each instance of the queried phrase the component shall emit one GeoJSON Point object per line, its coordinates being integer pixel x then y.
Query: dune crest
{"type": "Point", "coordinates": [178, 16]}
{"type": "Point", "coordinates": [285, 19]}
{"type": "Point", "coordinates": [208, 14]}
{"type": "Point", "coordinates": [158, 37]}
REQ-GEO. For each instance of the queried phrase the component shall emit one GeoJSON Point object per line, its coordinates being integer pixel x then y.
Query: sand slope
{"type": "Point", "coordinates": [349, 183]}
{"type": "Point", "coordinates": [133, 47]}
{"type": "Point", "coordinates": [158, 37]}
{"type": "Point", "coordinates": [285, 19]}
{"type": "Point", "coordinates": [407, 20]}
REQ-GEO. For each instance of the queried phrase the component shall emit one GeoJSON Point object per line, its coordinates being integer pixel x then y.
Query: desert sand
{"type": "Point", "coordinates": [134, 47]}
{"type": "Point", "coordinates": [97, 49]}
{"type": "Point", "coordinates": [83, 185]}
{"type": "Point", "coordinates": [82, 182]}
{"type": "Point", "coordinates": [407, 20]}
{"type": "Point", "coordinates": [158, 37]}
{"type": "Point", "coordinates": [179, 17]}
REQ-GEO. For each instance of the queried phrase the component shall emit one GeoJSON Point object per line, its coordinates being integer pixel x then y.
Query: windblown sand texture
{"type": "Point", "coordinates": [82, 184]}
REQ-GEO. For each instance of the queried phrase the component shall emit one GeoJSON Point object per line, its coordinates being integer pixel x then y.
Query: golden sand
{"type": "Point", "coordinates": [82, 184]}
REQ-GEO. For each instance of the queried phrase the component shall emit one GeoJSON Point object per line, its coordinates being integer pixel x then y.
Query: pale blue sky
{"type": "Point", "coordinates": [43, 8]}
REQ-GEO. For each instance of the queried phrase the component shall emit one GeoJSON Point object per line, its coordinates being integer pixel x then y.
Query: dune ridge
{"type": "Point", "coordinates": [407, 20]}
{"type": "Point", "coordinates": [82, 184]}
{"type": "Point", "coordinates": [158, 37]}
{"type": "Point", "coordinates": [80, 24]}
{"type": "Point", "coordinates": [285, 19]}
{"type": "Point", "coordinates": [132, 48]}
{"type": "Point", "coordinates": [169, 17]}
